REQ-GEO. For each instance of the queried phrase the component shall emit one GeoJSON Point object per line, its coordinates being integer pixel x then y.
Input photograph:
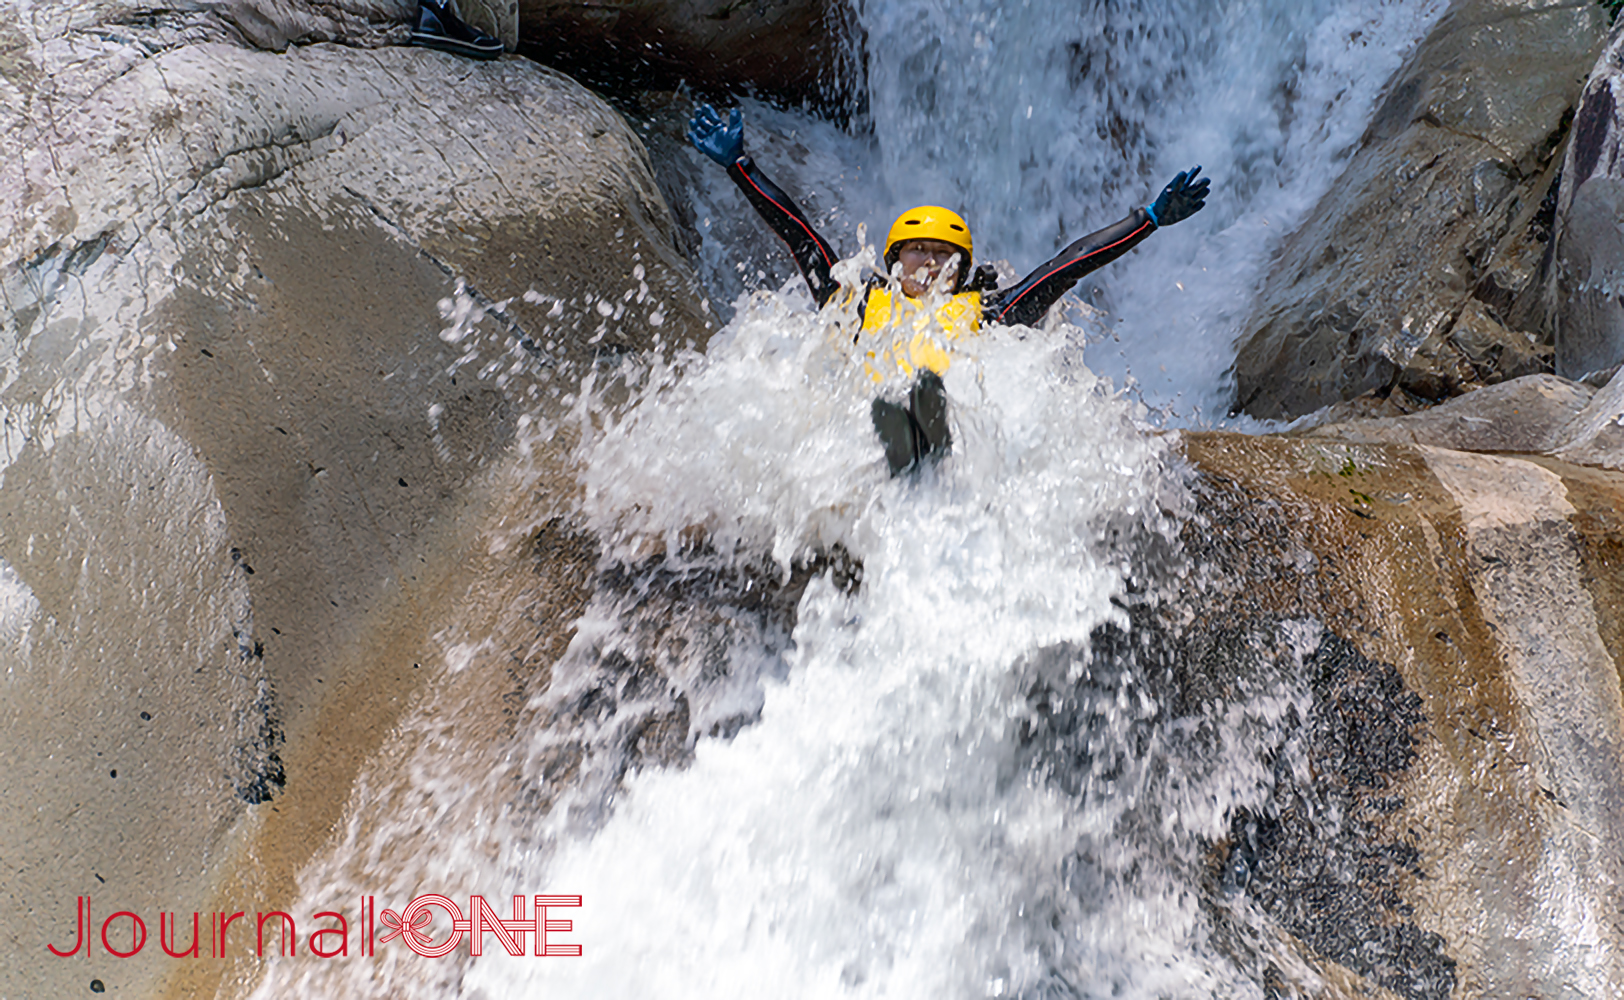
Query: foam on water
{"type": "Point", "coordinates": [881, 829]}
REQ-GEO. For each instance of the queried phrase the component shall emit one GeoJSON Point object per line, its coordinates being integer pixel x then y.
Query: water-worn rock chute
{"type": "Point", "coordinates": [271, 325]}
{"type": "Point", "coordinates": [1460, 818]}
{"type": "Point", "coordinates": [1419, 270]}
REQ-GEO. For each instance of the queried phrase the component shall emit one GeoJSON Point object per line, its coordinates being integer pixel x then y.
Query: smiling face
{"type": "Point", "coordinates": [922, 262]}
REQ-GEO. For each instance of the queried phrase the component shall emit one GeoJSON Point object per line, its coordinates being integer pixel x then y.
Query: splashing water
{"type": "Point", "coordinates": [884, 827]}
{"type": "Point", "coordinates": [944, 771]}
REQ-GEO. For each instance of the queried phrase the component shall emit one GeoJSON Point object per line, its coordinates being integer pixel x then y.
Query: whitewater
{"type": "Point", "coordinates": [949, 767]}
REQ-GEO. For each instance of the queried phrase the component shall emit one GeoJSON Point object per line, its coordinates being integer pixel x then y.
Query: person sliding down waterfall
{"type": "Point", "coordinates": [920, 245]}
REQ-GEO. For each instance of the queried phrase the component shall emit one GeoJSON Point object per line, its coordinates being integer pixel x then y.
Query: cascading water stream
{"type": "Point", "coordinates": [903, 817]}
{"type": "Point", "coordinates": [948, 780]}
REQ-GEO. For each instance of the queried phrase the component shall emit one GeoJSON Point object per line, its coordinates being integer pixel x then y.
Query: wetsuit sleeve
{"type": "Point", "coordinates": [812, 252]}
{"type": "Point", "coordinates": [1025, 303]}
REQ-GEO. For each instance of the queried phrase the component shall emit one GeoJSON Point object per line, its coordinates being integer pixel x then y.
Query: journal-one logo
{"type": "Point", "coordinates": [124, 933]}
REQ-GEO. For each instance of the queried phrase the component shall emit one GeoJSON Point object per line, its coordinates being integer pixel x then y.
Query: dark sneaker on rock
{"type": "Point", "coordinates": [439, 27]}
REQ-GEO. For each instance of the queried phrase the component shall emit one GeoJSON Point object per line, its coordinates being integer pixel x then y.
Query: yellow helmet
{"type": "Point", "coordinates": [930, 222]}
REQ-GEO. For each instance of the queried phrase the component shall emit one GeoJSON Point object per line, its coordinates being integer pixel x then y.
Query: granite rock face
{"type": "Point", "coordinates": [1586, 274]}
{"type": "Point", "coordinates": [1530, 414]}
{"type": "Point", "coordinates": [1596, 435]}
{"type": "Point", "coordinates": [1537, 415]}
{"type": "Point", "coordinates": [271, 327]}
{"type": "Point", "coordinates": [1464, 867]}
{"type": "Point", "coordinates": [1417, 271]}
{"type": "Point", "coordinates": [80, 34]}
{"type": "Point", "coordinates": [1456, 808]}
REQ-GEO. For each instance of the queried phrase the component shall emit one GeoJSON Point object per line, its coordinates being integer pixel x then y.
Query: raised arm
{"type": "Point", "coordinates": [724, 143]}
{"type": "Point", "coordinates": [1027, 301]}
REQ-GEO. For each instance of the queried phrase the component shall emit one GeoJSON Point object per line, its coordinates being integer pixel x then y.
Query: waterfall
{"type": "Point", "coordinates": [1041, 122]}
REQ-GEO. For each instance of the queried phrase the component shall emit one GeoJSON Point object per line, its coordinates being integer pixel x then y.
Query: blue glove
{"type": "Point", "coordinates": [722, 143]}
{"type": "Point", "coordinates": [1181, 198]}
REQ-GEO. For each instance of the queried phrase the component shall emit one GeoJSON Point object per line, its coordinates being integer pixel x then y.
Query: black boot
{"type": "Point", "coordinates": [930, 414]}
{"type": "Point", "coordinates": [439, 27]}
{"type": "Point", "coordinates": [896, 430]}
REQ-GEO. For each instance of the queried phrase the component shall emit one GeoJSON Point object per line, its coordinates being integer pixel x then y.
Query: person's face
{"type": "Point", "coordinates": [922, 262]}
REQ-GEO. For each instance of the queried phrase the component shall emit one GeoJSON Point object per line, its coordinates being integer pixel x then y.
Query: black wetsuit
{"type": "Point", "coordinates": [1023, 303]}
{"type": "Point", "coordinates": [919, 430]}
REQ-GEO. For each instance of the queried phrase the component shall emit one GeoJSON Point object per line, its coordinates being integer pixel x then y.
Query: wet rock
{"type": "Point", "coordinates": [1599, 379]}
{"type": "Point", "coordinates": [246, 293]}
{"type": "Point", "coordinates": [1586, 277]}
{"type": "Point", "coordinates": [1370, 406]}
{"type": "Point", "coordinates": [1596, 435]}
{"type": "Point", "coordinates": [1530, 414]}
{"type": "Point", "coordinates": [272, 25]}
{"type": "Point", "coordinates": [259, 773]}
{"type": "Point", "coordinates": [276, 24]}
{"type": "Point", "coordinates": [1207, 677]}
{"type": "Point", "coordinates": [1440, 203]}
{"type": "Point", "coordinates": [643, 694]}
{"type": "Point", "coordinates": [223, 121]}
{"type": "Point", "coordinates": [800, 49]}
{"type": "Point", "coordinates": [1460, 760]}
{"type": "Point", "coordinates": [1317, 857]}
{"type": "Point", "coordinates": [1496, 351]}
{"type": "Point", "coordinates": [1072, 739]}
{"type": "Point", "coordinates": [1536, 414]}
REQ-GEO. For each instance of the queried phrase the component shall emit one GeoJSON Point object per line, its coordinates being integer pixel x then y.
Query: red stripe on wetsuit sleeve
{"type": "Point", "coordinates": [814, 236]}
{"type": "Point", "coordinates": [1005, 311]}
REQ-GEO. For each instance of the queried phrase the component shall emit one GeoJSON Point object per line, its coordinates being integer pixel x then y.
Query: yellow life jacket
{"type": "Point", "coordinates": [958, 316]}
